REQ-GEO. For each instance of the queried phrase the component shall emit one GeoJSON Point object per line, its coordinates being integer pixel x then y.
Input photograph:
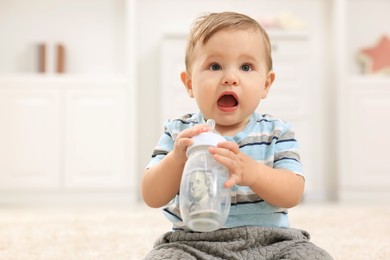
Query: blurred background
{"type": "Point", "coordinates": [86, 85]}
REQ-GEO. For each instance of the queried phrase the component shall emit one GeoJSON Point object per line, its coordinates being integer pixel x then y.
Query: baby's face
{"type": "Point", "coordinates": [229, 77]}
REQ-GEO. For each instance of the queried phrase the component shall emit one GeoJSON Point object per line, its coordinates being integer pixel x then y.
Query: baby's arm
{"type": "Point", "coordinates": [279, 187]}
{"type": "Point", "coordinates": [161, 182]}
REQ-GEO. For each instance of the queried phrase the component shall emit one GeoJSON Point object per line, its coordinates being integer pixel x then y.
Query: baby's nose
{"type": "Point", "coordinates": [230, 79]}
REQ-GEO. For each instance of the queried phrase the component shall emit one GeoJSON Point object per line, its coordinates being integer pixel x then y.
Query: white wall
{"type": "Point", "coordinates": [157, 18]}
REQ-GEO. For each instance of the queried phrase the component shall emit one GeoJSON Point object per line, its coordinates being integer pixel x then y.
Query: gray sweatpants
{"type": "Point", "coordinates": [244, 243]}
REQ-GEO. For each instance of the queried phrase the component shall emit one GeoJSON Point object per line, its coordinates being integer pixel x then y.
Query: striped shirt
{"type": "Point", "coordinates": [265, 139]}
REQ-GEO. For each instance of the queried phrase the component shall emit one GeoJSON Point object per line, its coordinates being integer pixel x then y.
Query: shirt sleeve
{"type": "Point", "coordinates": [287, 151]}
{"type": "Point", "coordinates": [163, 147]}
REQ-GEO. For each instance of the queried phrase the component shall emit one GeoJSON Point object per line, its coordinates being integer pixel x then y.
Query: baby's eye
{"type": "Point", "coordinates": [246, 67]}
{"type": "Point", "coordinates": [215, 66]}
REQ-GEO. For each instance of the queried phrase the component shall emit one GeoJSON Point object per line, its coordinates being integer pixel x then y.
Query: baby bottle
{"type": "Point", "coordinates": [204, 201]}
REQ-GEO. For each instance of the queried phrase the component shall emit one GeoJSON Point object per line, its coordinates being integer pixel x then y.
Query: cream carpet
{"type": "Point", "coordinates": [120, 232]}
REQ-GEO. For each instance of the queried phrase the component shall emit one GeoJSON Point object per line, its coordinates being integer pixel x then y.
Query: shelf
{"type": "Point", "coordinates": [290, 34]}
{"type": "Point", "coordinates": [92, 32]}
{"type": "Point", "coordinates": [31, 81]}
{"type": "Point", "coordinates": [272, 33]}
{"type": "Point", "coordinates": [376, 80]}
{"type": "Point", "coordinates": [62, 77]}
{"type": "Point", "coordinates": [361, 31]}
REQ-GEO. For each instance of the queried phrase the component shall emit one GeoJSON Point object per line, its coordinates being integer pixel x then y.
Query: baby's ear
{"type": "Point", "coordinates": [186, 79]}
{"type": "Point", "coordinates": [268, 82]}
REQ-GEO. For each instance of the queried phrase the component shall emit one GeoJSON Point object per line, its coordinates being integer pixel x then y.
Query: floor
{"type": "Point", "coordinates": [128, 232]}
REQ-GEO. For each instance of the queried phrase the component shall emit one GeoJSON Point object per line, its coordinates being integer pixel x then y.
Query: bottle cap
{"type": "Point", "coordinates": [205, 139]}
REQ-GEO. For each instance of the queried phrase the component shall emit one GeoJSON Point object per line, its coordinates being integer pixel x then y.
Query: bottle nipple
{"type": "Point", "coordinates": [211, 124]}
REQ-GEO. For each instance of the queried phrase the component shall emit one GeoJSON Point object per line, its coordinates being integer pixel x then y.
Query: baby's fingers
{"type": "Point", "coordinates": [233, 180]}
{"type": "Point", "coordinates": [183, 139]}
{"type": "Point", "coordinates": [190, 132]}
{"type": "Point", "coordinates": [228, 160]}
{"type": "Point", "coordinates": [184, 142]}
{"type": "Point", "coordinates": [231, 146]}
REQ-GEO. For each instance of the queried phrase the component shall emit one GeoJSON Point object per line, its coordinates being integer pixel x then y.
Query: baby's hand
{"type": "Point", "coordinates": [183, 140]}
{"type": "Point", "coordinates": [238, 164]}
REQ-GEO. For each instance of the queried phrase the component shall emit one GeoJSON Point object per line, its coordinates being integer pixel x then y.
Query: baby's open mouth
{"type": "Point", "coordinates": [227, 100]}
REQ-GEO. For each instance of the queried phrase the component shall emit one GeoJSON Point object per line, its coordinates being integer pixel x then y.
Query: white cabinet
{"type": "Point", "coordinates": [174, 100]}
{"type": "Point", "coordinates": [368, 108]}
{"type": "Point", "coordinates": [291, 98]}
{"type": "Point", "coordinates": [95, 137]}
{"type": "Point", "coordinates": [29, 137]}
{"type": "Point", "coordinates": [364, 103]}
{"type": "Point", "coordinates": [69, 133]}
{"type": "Point", "coordinates": [364, 167]}
{"type": "Point", "coordinates": [63, 134]}
{"type": "Point", "coordinates": [289, 95]}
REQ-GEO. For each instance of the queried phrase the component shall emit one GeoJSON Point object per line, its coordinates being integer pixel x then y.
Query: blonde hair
{"type": "Point", "coordinates": [206, 26]}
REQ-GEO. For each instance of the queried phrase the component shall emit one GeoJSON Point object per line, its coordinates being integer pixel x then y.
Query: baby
{"type": "Point", "coordinates": [228, 72]}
